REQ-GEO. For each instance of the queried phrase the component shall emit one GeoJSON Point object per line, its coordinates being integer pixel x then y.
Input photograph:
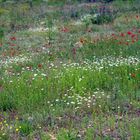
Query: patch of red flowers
{"type": "Point", "coordinates": [133, 75]}
{"type": "Point", "coordinates": [133, 35]}
{"type": "Point", "coordinates": [114, 36]}
{"type": "Point", "coordinates": [129, 32]}
{"type": "Point", "coordinates": [13, 38]}
{"type": "Point", "coordinates": [39, 66]}
{"type": "Point", "coordinates": [122, 35]}
{"type": "Point", "coordinates": [137, 17]}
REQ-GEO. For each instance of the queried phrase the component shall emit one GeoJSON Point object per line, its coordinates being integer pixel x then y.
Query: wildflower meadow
{"type": "Point", "coordinates": [69, 69]}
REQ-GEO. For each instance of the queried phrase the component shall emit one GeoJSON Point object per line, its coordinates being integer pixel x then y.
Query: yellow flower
{"type": "Point", "coordinates": [17, 129]}
{"type": "Point", "coordinates": [16, 118]}
{"type": "Point", "coordinates": [2, 128]}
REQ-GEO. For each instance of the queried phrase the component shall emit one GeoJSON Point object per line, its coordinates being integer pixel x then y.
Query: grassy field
{"type": "Point", "coordinates": [70, 71]}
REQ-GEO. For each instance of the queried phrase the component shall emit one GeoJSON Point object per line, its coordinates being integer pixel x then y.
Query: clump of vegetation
{"type": "Point", "coordinates": [102, 18]}
{"type": "Point", "coordinates": [1, 34]}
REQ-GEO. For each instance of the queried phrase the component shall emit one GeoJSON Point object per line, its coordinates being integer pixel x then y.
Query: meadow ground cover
{"type": "Point", "coordinates": [70, 71]}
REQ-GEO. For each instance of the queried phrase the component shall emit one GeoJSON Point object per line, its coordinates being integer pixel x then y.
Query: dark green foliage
{"type": "Point", "coordinates": [102, 19]}
{"type": "Point", "coordinates": [1, 32]}
{"type": "Point", "coordinates": [26, 128]}
{"type": "Point", "coordinates": [108, 0]}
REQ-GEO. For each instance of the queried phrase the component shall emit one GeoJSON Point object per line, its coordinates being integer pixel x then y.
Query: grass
{"type": "Point", "coordinates": [65, 78]}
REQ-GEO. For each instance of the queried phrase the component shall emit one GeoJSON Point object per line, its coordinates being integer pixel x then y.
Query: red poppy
{"type": "Point", "coordinates": [40, 66]}
{"type": "Point", "coordinates": [137, 17]}
{"type": "Point", "coordinates": [139, 31]}
{"type": "Point", "coordinates": [122, 34]}
{"type": "Point", "coordinates": [13, 38]}
{"type": "Point", "coordinates": [133, 35]}
{"type": "Point", "coordinates": [129, 32]}
{"type": "Point", "coordinates": [133, 75]}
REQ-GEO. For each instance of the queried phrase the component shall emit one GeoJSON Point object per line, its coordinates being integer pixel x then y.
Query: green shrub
{"type": "Point", "coordinates": [7, 102]}
{"type": "Point", "coordinates": [26, 128]}
{"type": "Point", "coordinates": [56, 2]}
{"type": "Point", "coordinates": [1, 33]}
{"type": "Point", "coordinates": [102, 18]}
{"type": "Point", "coordinates": [66, 135]}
